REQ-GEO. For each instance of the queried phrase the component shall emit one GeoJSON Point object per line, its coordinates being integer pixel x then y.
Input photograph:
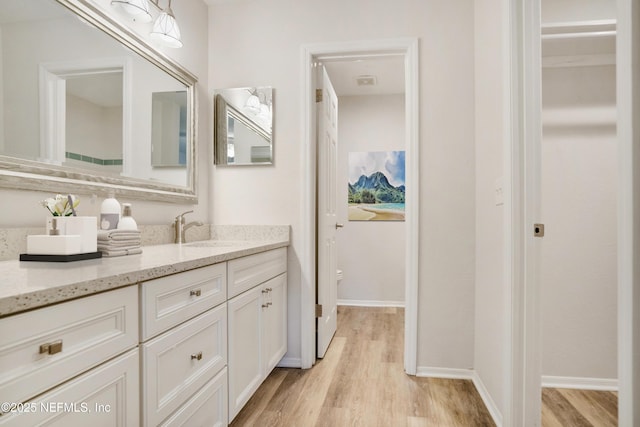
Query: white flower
{"type": "Point", "coordinates": [60, 205]}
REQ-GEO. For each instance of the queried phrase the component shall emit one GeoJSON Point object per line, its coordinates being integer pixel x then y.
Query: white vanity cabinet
{"type": "Point", "coordinates": [184, 347]}
{"type": "Point", "coordinates": [92, 340]}
{"type": "Point", "coordinates": [257, 335]}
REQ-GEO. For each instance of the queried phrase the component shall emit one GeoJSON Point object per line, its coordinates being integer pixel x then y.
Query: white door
{"type": "Point", "coordinates": [327, 143]}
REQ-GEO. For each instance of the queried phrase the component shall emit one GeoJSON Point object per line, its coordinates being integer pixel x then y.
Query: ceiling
{"type": "Point", "coordinates": [387, 72]}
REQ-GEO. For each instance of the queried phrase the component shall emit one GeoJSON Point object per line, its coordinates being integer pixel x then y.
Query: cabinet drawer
{"type": "Point", "coordinates": [178, 363]}
{"type": "Point", "coordinates": [90, 331]}
{"type": "Point", "coordinates": [208, 407]}
{"type": "Point", "coordinates": [169, 301]}
{"type": "Point", "coordinates": [247, 272]}
{"type": "Point", "coordinates": [105, 396]}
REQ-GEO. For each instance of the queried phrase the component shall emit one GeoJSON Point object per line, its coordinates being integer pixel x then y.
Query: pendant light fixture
{"type": "Point", "coordinates": [139, 9]}
{"type": "Point", "coordinates": [165, 28]}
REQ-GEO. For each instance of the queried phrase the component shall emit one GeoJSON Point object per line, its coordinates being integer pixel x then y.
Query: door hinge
{"type": "Point", "coordinates": [538, 230]}
{"type": "Point", "coordinates": [318, 310]}
{"type": "Point", "coordinates": [318, 95]}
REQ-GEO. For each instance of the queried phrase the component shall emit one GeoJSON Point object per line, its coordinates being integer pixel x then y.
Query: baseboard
{"type": "Point", "coordinates": [370, 303]}
{"type": "Point", "coordinates": [487, 399]}
{"type": "Point", "coordinates": [458, 374]}
{"type": "Point", "coordinates": [290, 362]}
{"type": "Point", "coordinates": [581, 383]}
{"type": "Point", "coordinates": [465, 374]}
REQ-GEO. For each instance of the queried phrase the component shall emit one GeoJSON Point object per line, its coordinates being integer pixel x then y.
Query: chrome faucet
{"type": "Point", "coordinates": [180, 227]}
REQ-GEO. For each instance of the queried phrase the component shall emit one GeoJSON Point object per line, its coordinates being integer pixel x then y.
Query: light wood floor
{"type": "Point", "coordinates": [361, 382]}
{"type": "Point", "coordinates": [580, 408]}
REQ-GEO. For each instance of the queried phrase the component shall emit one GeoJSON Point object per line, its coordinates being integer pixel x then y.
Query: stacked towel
{"type": "Point", "coordinates": [119, 242]}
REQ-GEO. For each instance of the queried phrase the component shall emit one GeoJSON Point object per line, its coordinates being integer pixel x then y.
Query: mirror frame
{"type": "Point", "coordinates": [24, 174]}
{"type": "Point", "coordinates": [223, 110]}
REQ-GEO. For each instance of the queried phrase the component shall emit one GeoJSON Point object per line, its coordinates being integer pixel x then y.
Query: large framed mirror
{"type": "Point", "coordinates": [88, 106]}
{"type": "Point", "coordinates": [243, 126]}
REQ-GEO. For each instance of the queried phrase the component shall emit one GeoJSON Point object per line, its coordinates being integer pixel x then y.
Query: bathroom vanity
{"type": "Point", "coordinates": [179, 335]}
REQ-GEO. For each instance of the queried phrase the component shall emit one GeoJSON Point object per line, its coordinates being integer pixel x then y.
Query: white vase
{"type": "Point", "coordinates": [84, 226]}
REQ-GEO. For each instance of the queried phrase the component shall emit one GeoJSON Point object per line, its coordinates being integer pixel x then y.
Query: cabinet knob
{"type": "Point", "coordinates": [269, 289]}
{"type": "Point", "coordinates": [197, 356]}
{"type": "Point", "coordinates": [265, 291]}
{"type": "Point", "coordinates": [265, 305]}
{"type": "Point", "coordinates": [51, 347]}
{"type": "Point", "coordinates": [195, 292]}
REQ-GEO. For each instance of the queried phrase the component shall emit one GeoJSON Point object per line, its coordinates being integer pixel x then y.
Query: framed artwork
{"type": "Point", "coordinates": [376, 186]}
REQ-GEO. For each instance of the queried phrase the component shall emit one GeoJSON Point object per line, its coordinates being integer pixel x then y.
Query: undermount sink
{"type": "Point", "coordinates": [211, 244]}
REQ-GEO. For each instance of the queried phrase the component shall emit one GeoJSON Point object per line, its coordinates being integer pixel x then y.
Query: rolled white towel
{"type": "Point", "coordinates": [121, 252]}
{"type": "Point", "coordinates": [118, 235]}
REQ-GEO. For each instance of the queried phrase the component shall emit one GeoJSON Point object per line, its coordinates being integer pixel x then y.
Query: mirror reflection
{"type": "Point", "coordinates": [243, 129]}
{"type": "Point", "coordinates": [169, 129]}
{"type": "Point", "coordinates": [84, 103]}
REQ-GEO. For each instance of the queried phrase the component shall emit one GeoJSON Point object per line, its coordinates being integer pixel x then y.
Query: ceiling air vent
{"type": "Point", "coordinates": [366, 80]}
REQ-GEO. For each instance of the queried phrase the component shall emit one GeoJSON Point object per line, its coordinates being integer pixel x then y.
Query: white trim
{"type": "Point", "coordinates": [628, 128]}
{"type": "Point", "coordinates": [580, 383]}
{"type": "Point", "coordinates": [493, 409]}
{"type": "Point", "coordinates": [409, 48]}
{"type": "Point", "coordinates": [370, 303]}
{"type": "Point", "coordinates": [522, 404]}
{"type": "Point", "coordinates": [290, 362]}
{"type": "Point", "coordinates": [448, 373]}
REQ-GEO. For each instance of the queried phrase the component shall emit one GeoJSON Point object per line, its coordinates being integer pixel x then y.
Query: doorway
{"type": "Point", "coordinates": [311, 54]}
{"type": "Point", "coordinates": [525, 373]}
{"type": "Point", "coordinates": [361, 184]}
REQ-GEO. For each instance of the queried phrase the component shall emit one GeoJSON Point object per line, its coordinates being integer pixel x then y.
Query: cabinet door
{"type": "Point", "coordinates": [245, 364]}
{"type": "Point", "coordinates": [178, 363]}
{"type": "Point", "coordinates": [105, 396]}
{"type": "Point", "coordinates": [275, 322]}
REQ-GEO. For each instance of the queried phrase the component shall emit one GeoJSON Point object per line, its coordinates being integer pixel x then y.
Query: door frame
{"type": "Point", "coordinates": [408, 47]}
{"type": "Point", "coordinates": [521, 255]}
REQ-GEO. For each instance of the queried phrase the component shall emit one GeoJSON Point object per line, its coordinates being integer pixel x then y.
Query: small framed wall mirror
{"type": "Point", "coordinates": [243, 126]}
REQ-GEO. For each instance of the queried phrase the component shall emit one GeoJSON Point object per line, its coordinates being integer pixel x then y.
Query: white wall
{"type": "Point", "coordinates": [258, 43]}
{"type": "Point", "coordinates": [194, 27]}
{"type": "Point", "coordinates": [578, 274]}
{"type": "Point", "coordinates": [371, 254]}
{"type": "Point", "coordinates": [490, 291]}
{"type": "Point", "coordinates": [577, 10]}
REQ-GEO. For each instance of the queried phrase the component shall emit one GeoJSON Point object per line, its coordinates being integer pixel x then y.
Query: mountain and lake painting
{"type": "Point", "coordinates": [376, 186]}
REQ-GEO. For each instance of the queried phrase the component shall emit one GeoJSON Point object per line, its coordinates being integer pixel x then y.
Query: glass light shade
{"type": "Point", "coordinates": [253, 104]}
{"type": "Point", "coordinates": [166, 30]}
{"type": "Point", "coordinates": [139, 9]}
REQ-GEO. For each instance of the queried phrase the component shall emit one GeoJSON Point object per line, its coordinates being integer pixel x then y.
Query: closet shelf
{"type": "Point", "coordinates": [580, 43]}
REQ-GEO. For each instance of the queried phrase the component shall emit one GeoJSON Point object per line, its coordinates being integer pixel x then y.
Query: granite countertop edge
{"type": "Point", "coordinates": [38, 284]}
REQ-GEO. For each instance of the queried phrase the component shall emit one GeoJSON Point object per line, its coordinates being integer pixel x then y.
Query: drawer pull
{"type": "Point", "coordinates": [195, 292]}
{"type": "Point", "coordinates": [197, 356]}
{"type": "Point", "coordinates": [51, 347]}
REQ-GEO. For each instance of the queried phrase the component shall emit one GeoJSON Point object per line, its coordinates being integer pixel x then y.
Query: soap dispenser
{"type": "Point", "coordinates": [127, 222]}
{"type": "Point", "coordinates": [109, 213]}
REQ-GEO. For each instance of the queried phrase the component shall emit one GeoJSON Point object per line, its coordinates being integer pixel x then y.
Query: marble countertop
{"type": "Point", "coordinates": [25, 285]}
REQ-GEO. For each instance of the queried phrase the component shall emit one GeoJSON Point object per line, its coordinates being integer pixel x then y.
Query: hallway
{"type": "Point", "coordinates": [361, 382]}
